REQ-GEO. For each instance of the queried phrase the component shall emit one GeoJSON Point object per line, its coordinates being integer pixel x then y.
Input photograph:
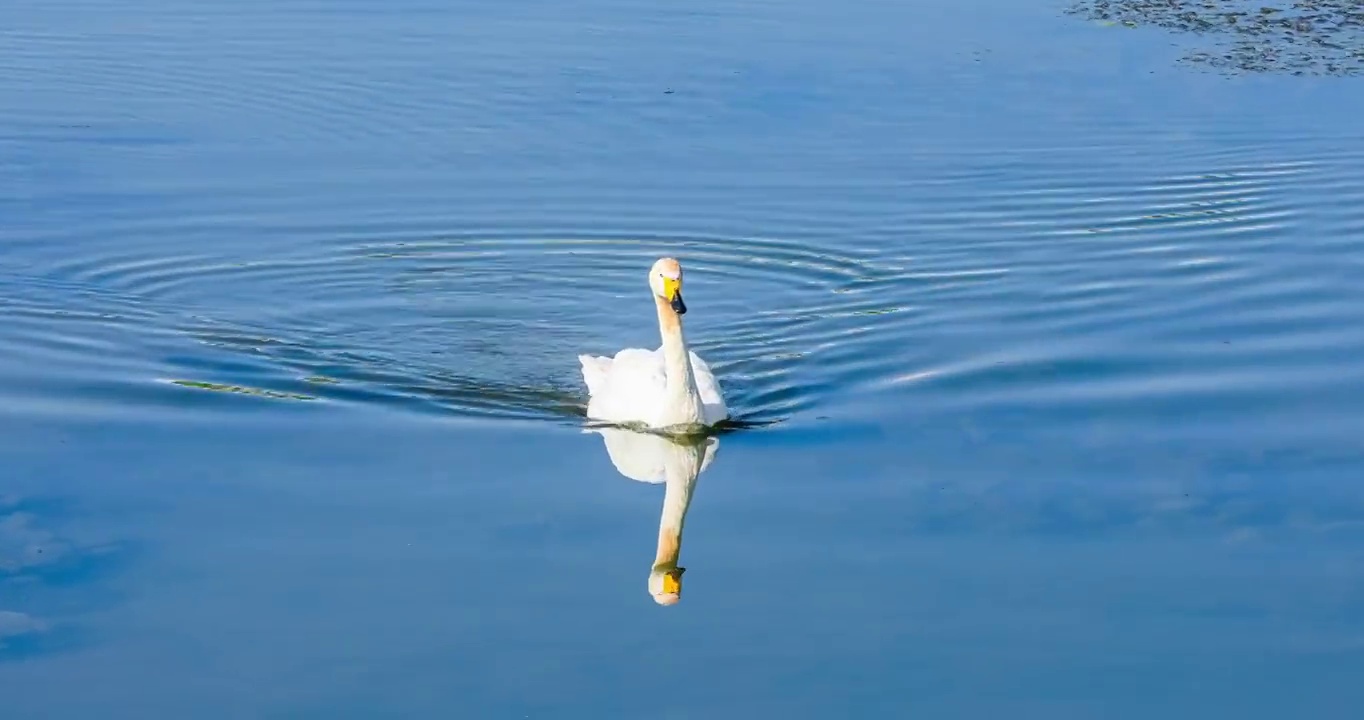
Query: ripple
{"type": "Point", "coordinates": [472, 303]}
{"type": "Point", "coordinates": [359, 233]}
{"type": "Point", "coordinates": [1195, 290]}
{"type": "Point", "coordinates": [1032, 292]}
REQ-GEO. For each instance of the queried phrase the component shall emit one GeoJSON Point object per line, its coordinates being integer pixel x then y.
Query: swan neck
{"type": "Point", "coordinates": [676, 358]}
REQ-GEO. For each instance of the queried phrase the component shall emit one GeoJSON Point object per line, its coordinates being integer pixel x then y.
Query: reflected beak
{"type": "Point", "coordinates": [665, 585]}
{"type": "Point", "coordinates": [672, 584]}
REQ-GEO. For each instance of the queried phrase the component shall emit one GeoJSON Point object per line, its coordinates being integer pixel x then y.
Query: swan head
{"type": "Point", "coordinates": [665, 278]}
{"type": "Point", "coordinates": [666, 585]}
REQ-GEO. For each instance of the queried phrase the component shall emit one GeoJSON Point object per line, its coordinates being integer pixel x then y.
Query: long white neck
{"type": "Point", "coordinates": [683, 400]}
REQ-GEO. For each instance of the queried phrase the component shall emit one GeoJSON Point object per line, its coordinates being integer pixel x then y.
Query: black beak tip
{"type": "Point", "coordinates": [679, 307]}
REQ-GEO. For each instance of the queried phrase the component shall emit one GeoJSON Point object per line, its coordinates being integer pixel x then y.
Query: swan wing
{"type": "Point", "coordinates": [626, 388]}
{"type": "Point", "coordinates": [712, 399]}
{"type": "Point", "coordinates": [596, 371]}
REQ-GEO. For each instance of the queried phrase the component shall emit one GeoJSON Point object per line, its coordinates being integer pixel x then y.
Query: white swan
{"type": "Point", "coordinates": [677, 463]}
{"type": "Point", "coordinates": [670, 388]}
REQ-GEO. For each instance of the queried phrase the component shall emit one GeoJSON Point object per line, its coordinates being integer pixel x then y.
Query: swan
{"type": "Point", "coordinates": [677, 463]}
{"type": "Point", "coordinates": [670, 388]}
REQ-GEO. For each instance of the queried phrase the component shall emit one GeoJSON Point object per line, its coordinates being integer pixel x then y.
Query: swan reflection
{"type": "Point", "coordinates": [676, 462]}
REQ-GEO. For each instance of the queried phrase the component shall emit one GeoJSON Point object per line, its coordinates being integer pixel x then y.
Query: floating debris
{"type": "Point", "coordinates": [242, 390]}
{"type": "Point", "coordinates": [1310, 37]}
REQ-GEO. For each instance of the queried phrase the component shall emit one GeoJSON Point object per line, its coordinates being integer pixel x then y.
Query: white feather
{"type": "Point", "coordinates": [633, 388]}
{"type": "Point", "coordinates": [630, 388]}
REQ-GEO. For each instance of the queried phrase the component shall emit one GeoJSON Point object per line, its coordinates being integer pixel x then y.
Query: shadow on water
{"type": "Point", "coordinates": [676, 463]}
{"type": "Point", "coordinates": [1310, 37]}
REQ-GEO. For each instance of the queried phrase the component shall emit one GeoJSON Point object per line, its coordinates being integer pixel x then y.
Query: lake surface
{"type": "Point", "coordinates": [1047, 344]}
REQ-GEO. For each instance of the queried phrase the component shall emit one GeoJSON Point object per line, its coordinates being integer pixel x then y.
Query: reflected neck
{"type": "Point", "coordinates": [677, 491]}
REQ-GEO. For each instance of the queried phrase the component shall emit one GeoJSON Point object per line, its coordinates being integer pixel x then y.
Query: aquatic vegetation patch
{"type": "Point", "coordinates": [1311, 37]}
{"type": "Point", "coordinates": [241, 390]}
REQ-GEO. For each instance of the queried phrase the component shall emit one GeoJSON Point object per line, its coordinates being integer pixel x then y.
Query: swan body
{"type": "Point", "coordinates": [670, 388]}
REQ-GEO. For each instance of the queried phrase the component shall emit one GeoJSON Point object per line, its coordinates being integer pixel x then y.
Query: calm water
{"type": "Point", "coordinates": [1050, 343]}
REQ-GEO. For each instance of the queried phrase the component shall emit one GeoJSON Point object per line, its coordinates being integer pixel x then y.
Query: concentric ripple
{"type": "Point", "coordinates": [1109, 292]}
{"type": "Point", "coordinates": [440, 216]}
{"type": "Point", "coordinates": [491, 326]}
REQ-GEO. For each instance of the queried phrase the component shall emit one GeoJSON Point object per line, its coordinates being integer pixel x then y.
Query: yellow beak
{"type": "Point", "coordinates": [672, 292]}
{"type": "Point", "coordinates": [671, 286]}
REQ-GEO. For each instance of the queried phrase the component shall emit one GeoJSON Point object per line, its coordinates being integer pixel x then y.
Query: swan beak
{"type": "Point", "coordinates": [672, 292]}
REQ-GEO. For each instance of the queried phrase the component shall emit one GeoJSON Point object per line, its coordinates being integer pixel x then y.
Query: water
{"type": "Point", "coordinates": [1046, 343]}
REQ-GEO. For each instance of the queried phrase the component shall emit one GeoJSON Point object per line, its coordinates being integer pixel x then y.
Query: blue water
{"type": "Point", "coordinates": [1047, 343]}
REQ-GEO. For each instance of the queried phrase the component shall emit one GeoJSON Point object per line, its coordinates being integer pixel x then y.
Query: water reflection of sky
{"type": "Point", "coordinates": [1056, 338]}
